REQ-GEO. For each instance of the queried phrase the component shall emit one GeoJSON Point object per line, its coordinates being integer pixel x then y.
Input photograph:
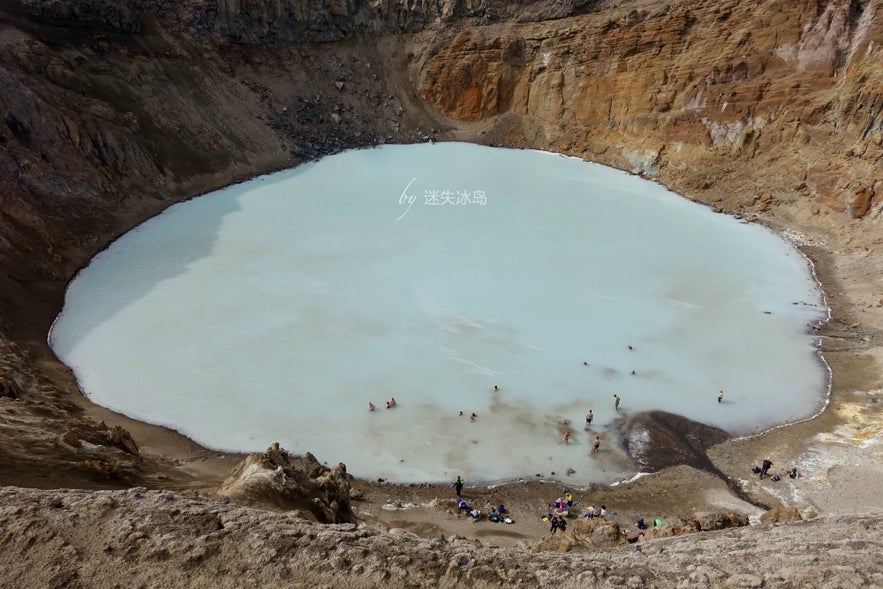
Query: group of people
{"type": "Point", "coordinates": [562, 505]}
{"type": "Point", "coordinates": [764, 469]}
{"type": "Point", "coordinates": [558, 523]}
{"type": "Point", "coordinates": [562, 508]}
{"type": "Point", "coordinates": [498, 514]}
{"type": "Point", "coordinates": [389, 404]}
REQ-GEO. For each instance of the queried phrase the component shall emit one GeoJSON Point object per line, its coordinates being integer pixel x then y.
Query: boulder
{"type": "Point", "coordinates": [858, 203]}
{"type": "Point", "coordinates": [720, 520]}
{"type": "Point", "coordinates": [787, 513]}
{"type": "Point", "coordinates": [584, 534]}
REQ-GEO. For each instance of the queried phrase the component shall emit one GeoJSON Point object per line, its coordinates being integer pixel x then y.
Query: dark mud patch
{"type": "Point", "coordinates": [656, 440]}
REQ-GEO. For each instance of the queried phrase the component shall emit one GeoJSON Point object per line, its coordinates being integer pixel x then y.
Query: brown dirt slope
{"type": "Point", "coordinates": [143, 538]}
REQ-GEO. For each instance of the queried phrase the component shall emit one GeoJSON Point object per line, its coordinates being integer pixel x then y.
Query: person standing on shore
{"type": "Point", "coordinates": [458, 486]}
{"type": "Point", "coordinates": [765, 467]}
{"type": "Point", "coordinates": [616, 401]}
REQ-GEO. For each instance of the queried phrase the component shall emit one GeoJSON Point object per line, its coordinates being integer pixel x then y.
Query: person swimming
{"type": "Point", "coordinates": [371, 406]}
{"type": "Point", "coordinates": [597, 445]}
{"type": "Point", "coordinates": [720, 396]}
{"type": "Point", "coordinates": [473, 417]}
{"type": "Point", "coordinates": [566, 437]}
{"type": "Point", "coordinates": [589, 417]}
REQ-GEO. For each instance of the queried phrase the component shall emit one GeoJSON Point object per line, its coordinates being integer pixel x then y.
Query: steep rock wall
{"type": "Point", "coordinates": [684, 89]}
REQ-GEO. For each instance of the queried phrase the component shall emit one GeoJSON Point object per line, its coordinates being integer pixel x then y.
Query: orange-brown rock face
{"type": "Point", "coordinates": [476, 78]}
{"type": "Point", "coordinates": [686, 89]}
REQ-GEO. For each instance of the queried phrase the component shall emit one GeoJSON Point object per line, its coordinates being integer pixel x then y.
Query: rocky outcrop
{"type": "Point", "coordinates": [584, 535]}
{"type": "Point", "coordinates": [781, 514]}
{"type": "Point", "coordinates": [277, 480]}
{"type": "Point", "coordinates": [720, 520]}
{"type": "Point", "coordinates": [591, 534]}
{"type": "Point", "coordinates": [47, 441]}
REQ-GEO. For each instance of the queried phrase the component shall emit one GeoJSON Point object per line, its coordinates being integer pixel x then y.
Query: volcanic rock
{"type": "Point", "coordinates": [280, 481]}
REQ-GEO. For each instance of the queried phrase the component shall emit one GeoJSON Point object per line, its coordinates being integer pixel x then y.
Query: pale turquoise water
{"type": "Point", "coordinates": [275, 310]}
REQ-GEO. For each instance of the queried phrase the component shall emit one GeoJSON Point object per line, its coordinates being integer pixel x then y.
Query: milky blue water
{"type": "Point", "coordinates": [277, 309]}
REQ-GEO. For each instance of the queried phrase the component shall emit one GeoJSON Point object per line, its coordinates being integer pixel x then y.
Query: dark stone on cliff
{"type": "Point", "coordinates": [297, 21]}
{"type": "Point", "coordinates": [105, 14]}
{"type": "Point", "coordinates": [657, 439]}
{"type": "Point", "coordinates": [9, 388]}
